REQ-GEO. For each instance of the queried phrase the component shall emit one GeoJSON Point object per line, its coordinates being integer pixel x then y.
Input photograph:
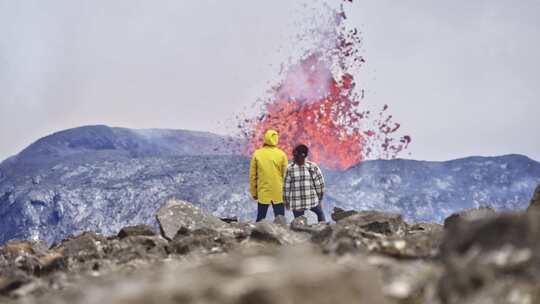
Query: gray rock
{"type": "Point", "coordinates": [423, 240]}
{"type": "Point", "coordinates": [175, 214]}
{"type": "Point", "coordinates": [142, 247]}
{"type": "Point", "coordinates": [339, 214]}
{"type": "Point", "coordinates": [276, 234]}
{"type": "Point", "coordinates": [519, 230]}
{"type": "Point", "coordinates": [204, 240]}
{"type": "Point", "coordinates": [426, 227]}
{"type": "Point", "coordinates": [467, 215]}
{"type": "Point", "coordinates": [343, 240]}
{"type": "Point", "coordinates": [138, 230]}
{"type": "Point", "coordinates": [87, 246]}
{"type": "Point", "coordinates": [377, 221]}
{"type": "Point", "coordinates": [498, 250]}
{"type": "Point", "coordinates": [266, 232]}
{"type": "Point", "coordinates": [381, 233]}
{"type": "Point", "coordinates": [406, 281]}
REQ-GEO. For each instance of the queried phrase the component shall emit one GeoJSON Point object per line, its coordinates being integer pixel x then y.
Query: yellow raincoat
{"type": "Point", "coordinates": [267, 169]}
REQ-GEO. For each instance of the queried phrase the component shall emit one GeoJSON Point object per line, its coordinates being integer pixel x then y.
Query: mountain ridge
{"type": "Point", "coordinates": [231, 142]}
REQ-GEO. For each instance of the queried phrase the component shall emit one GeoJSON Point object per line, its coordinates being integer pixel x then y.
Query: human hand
{"type": "Point", "coordinates": [287, 206]}
{"type": "Point", "coordinates": [255, 197]}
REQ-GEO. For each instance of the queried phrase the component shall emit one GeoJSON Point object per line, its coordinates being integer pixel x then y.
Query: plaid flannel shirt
{"type": "Point", "coordinates": [303, 186]}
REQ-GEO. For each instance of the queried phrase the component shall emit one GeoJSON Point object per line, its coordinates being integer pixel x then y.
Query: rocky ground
{"type": "Point", "coordinates": [478, 256]}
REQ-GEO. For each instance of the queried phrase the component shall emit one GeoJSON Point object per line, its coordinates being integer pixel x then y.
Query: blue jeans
{"type": "Point", "coordinates": [317, 210]}
{"type": "Point", "coordinates": [262, 209]}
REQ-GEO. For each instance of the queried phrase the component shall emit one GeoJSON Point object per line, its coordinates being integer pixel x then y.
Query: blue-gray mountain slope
{"type": "Point", "coordinates": [102, 179]}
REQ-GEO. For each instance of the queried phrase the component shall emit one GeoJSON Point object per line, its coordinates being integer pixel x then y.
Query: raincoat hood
{"type": "Point", "coordinates": [271, 138]}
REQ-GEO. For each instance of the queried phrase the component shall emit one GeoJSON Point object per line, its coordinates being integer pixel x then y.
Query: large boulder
{"type": "Point", "coordinates": [175, 214]}
{"type": "Point", "coordinates": [501, 250]}
{"type": "Point", "coordinates": [516, 230]}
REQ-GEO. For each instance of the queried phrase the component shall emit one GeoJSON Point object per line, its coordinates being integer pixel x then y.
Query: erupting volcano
{"type": "Point", "coordinates": [318, 103]}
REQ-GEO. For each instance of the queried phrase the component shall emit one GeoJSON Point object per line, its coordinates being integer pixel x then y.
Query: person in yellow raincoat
{"type": "Point", "coordinates": [267, 170]}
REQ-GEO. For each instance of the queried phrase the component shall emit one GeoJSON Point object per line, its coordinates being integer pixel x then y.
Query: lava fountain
{"type": "Point", "coordinates": [318, 103]}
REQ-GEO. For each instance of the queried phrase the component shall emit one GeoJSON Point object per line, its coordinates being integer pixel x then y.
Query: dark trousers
{"type": "Point", "coordinates": [318, 211]}
{"type": "Point", "coordinates": [262, 209]}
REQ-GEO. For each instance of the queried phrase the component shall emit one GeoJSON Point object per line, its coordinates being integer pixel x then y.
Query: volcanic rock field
{"type": "Point", "coordinates": [478, 256]}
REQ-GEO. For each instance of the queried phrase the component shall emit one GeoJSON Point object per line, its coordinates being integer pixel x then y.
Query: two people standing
{"type": "Point", "coordinates": [298, 186]}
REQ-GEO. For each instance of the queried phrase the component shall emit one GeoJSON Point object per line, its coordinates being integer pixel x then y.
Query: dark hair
{"type": "Point", "coordinates": [301, 150]}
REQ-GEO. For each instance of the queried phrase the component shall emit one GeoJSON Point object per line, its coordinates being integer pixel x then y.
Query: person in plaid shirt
{"type": "Point", "coordinates": [303, 187]}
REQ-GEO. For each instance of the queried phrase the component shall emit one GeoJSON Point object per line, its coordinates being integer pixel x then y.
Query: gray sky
{"type": "Point", "coordinates": [461, 76]}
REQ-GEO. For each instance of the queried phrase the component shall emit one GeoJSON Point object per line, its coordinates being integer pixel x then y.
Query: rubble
{"type": "Point", "coordinates": [365, 257]}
